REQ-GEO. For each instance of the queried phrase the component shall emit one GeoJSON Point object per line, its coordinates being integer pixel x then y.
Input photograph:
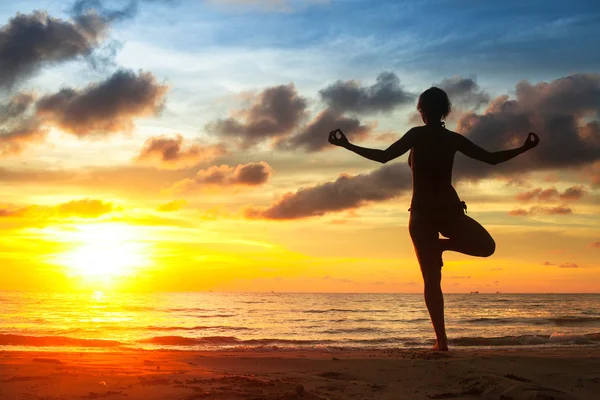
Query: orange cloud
{"type": "Point", "coordinates": [172, 206]}
{"type": "Point", "coordinates": [539, 210]}
{"type": "Point", "coordinates": [568, 265]}
{"type": "Point", "coordinates": [170, 153]}
{"type": "Point", "coordinates": [572, 193]}
{"type": "Point", "coordinates": [85, 208]}
{"type": "Point", "coordinates": [82, 208]}
{"type": "Point", "coordinates": [251, 174]}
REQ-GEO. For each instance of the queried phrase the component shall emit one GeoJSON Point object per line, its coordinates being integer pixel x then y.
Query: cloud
{"type": "Point", "coordinates": [573, 193]}
{"type": "Point", "coordinates": [169, 152]}
{"type": "Point", "coordinates": [85, 208]}
{"type": "Point", "coordinates": [81, 8]}
{"type": "Point", "coordinates": [81, 208]}
{"type": "Point", "coordinates": [558, 111]}
{"type": "Point", "coordinates": [596, 245]}
{"type": "Point", "coordinates": [16, 106]}
{"type": "Point", "coordinates": [345, 193]}
{"type": "Point", "coordinates": [251, 174]}
{"type": "Point", "coordinates": [539, 210]}
{"type": "Point", "coordinates": [274, 113]}
{"type": "Point", "coordinates": [568, 265]}
{"type": "Point", "coordinates": [548, 263]}
{"type": "Point", "coordinates": [174, 205]}
{"type": "Point", "coordinates": [314, 136]}
{"type": "Point", "coordinates": [18, 127]}
{"type": "Point", "coordinates": [106, 107]}
{"type": "Point", "coordinates": [18, 136]}
{"type": "Point", "coordinates": [383, 96]}
{"type": "Point", "coordinates": [30, 41]}
{"type": "Point", "coordinates": [464, 92]}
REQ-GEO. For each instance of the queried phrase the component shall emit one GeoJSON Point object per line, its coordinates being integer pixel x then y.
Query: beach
{"type": "Point", "coordinates": [500, 373]}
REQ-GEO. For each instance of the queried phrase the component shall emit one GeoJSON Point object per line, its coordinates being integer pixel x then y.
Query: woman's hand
{"type": "Point", "coordinates": [341, 141]}
{"type": "Point", "coordinates": [531, 141]}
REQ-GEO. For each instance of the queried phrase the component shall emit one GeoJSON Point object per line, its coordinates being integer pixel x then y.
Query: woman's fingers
{"type": "Point", "coordinates": [333, 137]}
{"type": "Point", "coordinates": [532, 140]}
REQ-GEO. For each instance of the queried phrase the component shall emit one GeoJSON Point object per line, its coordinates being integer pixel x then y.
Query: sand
{"type": "Point", "coordinates": [502, 374]}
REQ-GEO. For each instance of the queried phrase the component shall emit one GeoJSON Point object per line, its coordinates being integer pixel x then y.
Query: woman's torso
{"type": "Point", "coordinates": [431, 160]}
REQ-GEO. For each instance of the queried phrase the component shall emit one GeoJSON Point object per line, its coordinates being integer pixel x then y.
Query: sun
{"type": "Point", "coordinates": [104, 250]}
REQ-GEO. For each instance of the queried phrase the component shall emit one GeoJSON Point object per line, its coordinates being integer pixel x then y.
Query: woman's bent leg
{"type": "Point", "coordinates": [467, 236]}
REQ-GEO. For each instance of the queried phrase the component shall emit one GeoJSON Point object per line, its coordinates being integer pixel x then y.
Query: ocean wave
{"type": "Point", "coordinates": [352, 330]}
{"type": "Point", "coordinates": [486, 320]}
{"type": "Point", "coordinates": [225, 340]}
{"type": "Point", "coordinates": [213, 316]}
{"type": "Point", "coordinates": [216, 342]}
{"type": "Point", "coordinates": [528, 340]}
{"type": "Point", "coordinates": [575, 321]}
{"type": "Point", "coordinates": [20, 340]}
{"type": "Point", "coordinates": [567, 320]}
{"type": "Point", "coordinates": [121, 328]}
{"type": "Point", "coordinates": [332, 310]}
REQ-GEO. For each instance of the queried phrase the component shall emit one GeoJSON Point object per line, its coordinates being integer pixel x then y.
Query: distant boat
{"type": "Point", "coordinates": [475, 292]}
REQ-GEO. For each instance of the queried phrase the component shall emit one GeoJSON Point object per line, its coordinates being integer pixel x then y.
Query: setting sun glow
{"type": "Point", "coordinates": [104, 251]}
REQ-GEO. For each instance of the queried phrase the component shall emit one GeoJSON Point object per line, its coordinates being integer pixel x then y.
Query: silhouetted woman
{"type": "Point", "coordinates": [435, 206]}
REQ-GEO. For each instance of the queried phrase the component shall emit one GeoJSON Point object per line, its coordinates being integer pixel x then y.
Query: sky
{"type": "Point", "coordinates": [173, 145]}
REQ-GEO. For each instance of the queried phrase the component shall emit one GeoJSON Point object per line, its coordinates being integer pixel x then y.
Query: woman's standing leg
{"type": "Point", "coordinates": [424, 235]}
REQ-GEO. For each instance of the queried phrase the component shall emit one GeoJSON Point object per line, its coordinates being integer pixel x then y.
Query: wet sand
{"type": "Point", "coordinates": [502, 374]}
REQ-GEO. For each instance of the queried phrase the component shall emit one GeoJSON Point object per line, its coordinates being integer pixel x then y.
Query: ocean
{"type": "Point", "coordinates": [289, 321]}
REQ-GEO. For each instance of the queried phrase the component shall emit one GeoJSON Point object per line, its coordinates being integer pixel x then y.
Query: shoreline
{"type": "Point", "coordinates": [499, 373]}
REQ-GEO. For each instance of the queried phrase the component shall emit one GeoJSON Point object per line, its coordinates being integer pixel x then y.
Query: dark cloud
{"type": "Point", "coordinates": [539, 210]}
{"type": "Point", "coordinates": [314, 136]}
{"type": "Point", "coordinates": [274, 113]}
{"type": "Point", "coordinates": [548, 263]}
{"type": "Point", "coordinates": [464, 92]}
{"type": "Point", "coordinates": [82, 8]}
{"type": "Point", "coordinates": [558, 111]}
{"type": "Point", "coordinates": [573, 193]}
{"type": "Point", "coordinates": [251, 174]}
{"type": "Point", "coordinates": [16, 106]}
{"type": "Point", "coordinates": [170, 152]}
{"type": "Point", "coordinates": [105, 107]}
{"type": "Point", "coordinates": [31, 41]}
{"type": "Point", "coordinates": [383, 96]}
{"type": "Point", "coordinates": [346, 192]}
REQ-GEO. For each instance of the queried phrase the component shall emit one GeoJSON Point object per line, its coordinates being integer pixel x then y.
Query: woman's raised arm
{"type": "Point", "coordinates": [470, 149]}
{"type": "Point", "coordinates": [398, 148]}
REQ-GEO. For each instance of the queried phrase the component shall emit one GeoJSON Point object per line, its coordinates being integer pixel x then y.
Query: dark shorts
{"type": "Point", "coordinates": [424, 228]}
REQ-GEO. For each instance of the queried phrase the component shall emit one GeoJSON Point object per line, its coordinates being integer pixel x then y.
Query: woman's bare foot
{"type": "Point", "coordinates": [440, 347]}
